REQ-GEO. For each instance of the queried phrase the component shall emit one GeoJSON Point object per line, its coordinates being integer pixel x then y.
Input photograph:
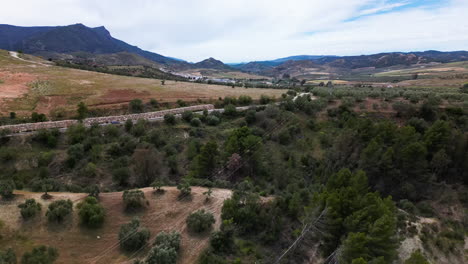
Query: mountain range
{"type": "Point", "coordinates": [79, 43]}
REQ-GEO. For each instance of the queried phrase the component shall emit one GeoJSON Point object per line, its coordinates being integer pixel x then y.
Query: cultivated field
{"type": "Point", "coordinates": [78, 244]}
{"type": "Point", "coordinates": [33, 85]}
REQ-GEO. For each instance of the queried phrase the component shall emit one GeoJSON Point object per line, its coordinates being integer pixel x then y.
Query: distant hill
{"type": "Point", "coordinates": [212, 63]}
{"type": "Point", "coordinates": [70, 39]}
{"type": "Point", "coordinates": [381, 60]}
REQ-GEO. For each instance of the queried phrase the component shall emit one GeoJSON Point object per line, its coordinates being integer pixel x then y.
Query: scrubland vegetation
{"type": "Point", "coordinates": [331, 179]}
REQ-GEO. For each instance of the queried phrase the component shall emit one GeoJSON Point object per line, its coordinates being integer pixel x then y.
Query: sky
{"type": "Point", "coordinates": [249, 30]}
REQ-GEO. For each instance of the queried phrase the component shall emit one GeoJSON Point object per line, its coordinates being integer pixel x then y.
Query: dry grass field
{"type": "Point", "coordinates": [78, 244]}
{"type": "Point", "coordinates": [34, 85]}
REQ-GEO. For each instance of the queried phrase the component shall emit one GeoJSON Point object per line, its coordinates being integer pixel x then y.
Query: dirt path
{"type": "Point", "coordinates": [78, 244]}
{"type": "Point", "coordinates": [15, 55]}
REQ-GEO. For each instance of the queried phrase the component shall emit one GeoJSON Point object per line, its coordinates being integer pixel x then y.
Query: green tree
{"type": "Point", "coordinates": [230, 110]}
{"type": "Point", "coordinates": [133, 237]}
{"type": "Point", "coordinates": [416, 258]}
{"type": "Point", "coordinates": [91, 212]}
{"type": "Point", "coordinates": [82, 111]}
{"type": "Point", "coordinates": [29, 208]}
{"type": "Point", "coordinates": [363, 220]}
{"type": "Point", "coordinates": [185, 190]}
{"type": "Point", "coordinates": [206, 161]}
{"type": "Point", "coordinates": [133, 199]}
{"type": "Point", "coordinates": [40, 255]}
{"type": "Point", "coordinates": [200, 221]}
{"type": "Point", "coordinates": [6, 189]}
{"type": "Point", "coordinates": [7, 257]}
{"type": "Point", "coordinates": [165, 249]}
{"type": "Point", "coordinates": [58, 210]}
{"type": "Point", "coordinates": [170, 119]}
{"type": "Point", "coordinates": [136, 106]}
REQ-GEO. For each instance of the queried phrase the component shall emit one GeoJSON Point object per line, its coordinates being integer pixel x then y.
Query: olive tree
{"type": "Point", "coordinates": [200, 221]}
{"type": "Point", "coordinates": [29, 208]}
{"type": "Point", "coordinates": [132, 237]}
{"type": "Point", "coordinates": [59, 209]}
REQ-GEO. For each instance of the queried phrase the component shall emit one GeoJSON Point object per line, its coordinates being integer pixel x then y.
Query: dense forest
{"type": "Point", "coordinates": [315, 180]}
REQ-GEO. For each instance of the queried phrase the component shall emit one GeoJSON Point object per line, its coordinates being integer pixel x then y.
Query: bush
{"type": "Point", "coordinates": [29, 208]}
{"type": "Point", "coordinates": [48, 138]}
{"type": "Point", "coordinates": [165, 250]}
{"type": "Point", "coordinates": [185, 190]}
{"type": "Point", "coordinates": [170, 119]}
{"type": "Point", "coordinates": [168, 240]}
{"type": "Point", "coordinates": [133, 199]}
{"type": "Point", "coordinates": [416, 258]}
{"type": "Point", "coordinates": [132, 237]}
{"type": "Point", "coordinates": [93, 191]}
{"type": "Point", "coordinates": [136, 106]}
{"type": "Point", "coordinates": [8, 257]}
{"type": "Point", "coordinates": [121, 176]}
{"type": "Point", "coordinates": [91, 212]}
{"type": "Point", "coordinates": [58, 210]}
{"type": "Point", "coordinates": [264, 99]}
{"type": "Point", "coordinates": [6, 189]}
{"type": "Point", "coordinates": [195, 122]}
{"type": "Point", "coordinates": [40, 255]}
{"type": "Point", "coordinates": [200, 221]}
{"type": "Point", "coordinates": [244, 100]}
{"type": "Point", "coordinates": [230, 110]}
{"type": "Point", "coordinates": [212, 120]}
{"type": "Point", "coordinates": [187, 116]}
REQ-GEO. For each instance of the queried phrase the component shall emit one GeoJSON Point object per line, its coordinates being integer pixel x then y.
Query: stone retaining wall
{"type": "Point", "coordinates": [102, 120]}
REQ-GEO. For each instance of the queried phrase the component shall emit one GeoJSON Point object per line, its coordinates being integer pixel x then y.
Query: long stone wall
{"type": "Point", "coordinates": [102, 120]}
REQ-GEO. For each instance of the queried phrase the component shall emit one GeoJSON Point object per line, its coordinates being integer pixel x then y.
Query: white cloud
{"type": "Point", "coordinates": [244, 30]}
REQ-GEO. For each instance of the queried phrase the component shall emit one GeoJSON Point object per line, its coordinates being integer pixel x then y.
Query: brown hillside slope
{"type": "Point", "coordinates": [78, 244]}
{"type": "Point", "coordinates": [30, 84]}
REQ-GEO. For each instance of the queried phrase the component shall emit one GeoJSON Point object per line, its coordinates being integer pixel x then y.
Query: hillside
{"type": "Point", "coordinates": [69, 39]}
{"type": "Point", "coordinates": [346, 64]}
{"type": "Point", "coordinates": [32, 84]}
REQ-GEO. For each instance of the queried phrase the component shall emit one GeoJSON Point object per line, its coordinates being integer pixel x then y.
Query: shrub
{"type": "Point", "coordinates": [136, 106]}
{"type": "Point", "coordinates": [157, 184]}
{"type": "Point", "coordinates": [416, 258]}
{"type": "Point", "coordinates": [121, 176]}
{"type": "Point", "coordinates": [200, 221]}
{"type": "Point", "coordinates": [165, 249]}
{"type": "Point", "coordinates": [170, 119]}
{"type": "Point", "coordinates": [132, 237]}
{"type": "Point", "coordinates": [244, 100]}
{"type": "Point", "coordinates": [6, 189]}
{"type": "Point", "coordinates": [128, 125]}
{"type": "Point", "coordinates": [93, 191]}
{"type": "Point", "coordinates": [8, 257]}
{"type": "Point", "coordinates": [40, 255]}
{"type": "Point", "coordinates": [58, 210]}
{"type": "Point", "coordinates": [184, 189]}
{"type": "Point", "coordinates": [168, 240]}
{"type": "Point", "coordinates": [230, 110]}
{"type": "Point", "coordinates": [187, 116]}
{"type": "Point", "coordinates": [133, 199]}
{"type": "Point", "coordinates": [48, 138]}
{"type": "Point", "coordinates": [212, 120]}
{"type": "Point", "coordinates": [91, 212]}
{"type": "Point", "coordinates": [29, 208]}
{"type": "Point", "coordinates": [264, 99]}
{"type": "Point", "coordinates": [195, 122]}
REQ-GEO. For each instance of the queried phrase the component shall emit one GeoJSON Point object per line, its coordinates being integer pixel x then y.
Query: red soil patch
{"type": "Point", "coordinates": [121, 96]}
{"type": "Point", "coordinates": [14, 84]}
{"type": "Point", "coordinates": [77, 244]}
